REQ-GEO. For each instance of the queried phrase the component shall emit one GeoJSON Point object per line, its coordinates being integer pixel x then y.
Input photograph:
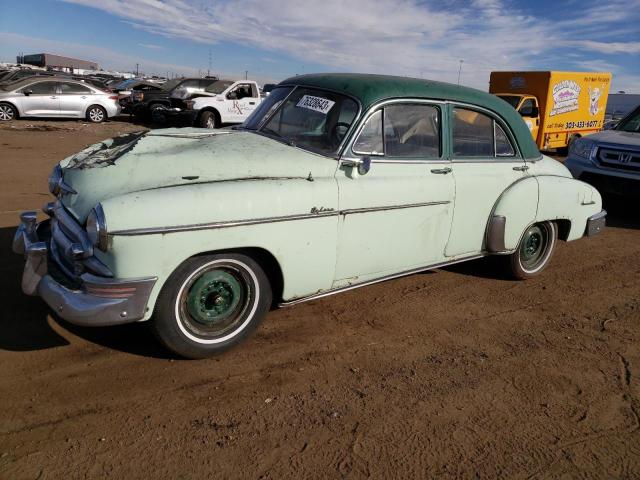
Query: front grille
{"type": "Point", "coordinates": [65, 233]}
{"type": "Point", "coordinates": [619, 159]}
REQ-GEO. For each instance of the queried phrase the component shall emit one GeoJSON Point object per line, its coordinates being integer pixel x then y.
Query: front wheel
{"type": "Point", "coordinates": [7, 112]}
{"type": "Point", "coordinates": [534, 251]}
{"type": "Point", "coordinates": [210, 303]}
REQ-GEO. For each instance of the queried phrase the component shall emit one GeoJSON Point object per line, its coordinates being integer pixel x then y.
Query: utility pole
{"type": "Point", "coordinates": [460, 70]}
{"type": "Point", "coordinates": [137, 69]}
{"type": "Point", "coordinates": [209, 71]}
{"type": "Point", "coordinates": [246, 74]}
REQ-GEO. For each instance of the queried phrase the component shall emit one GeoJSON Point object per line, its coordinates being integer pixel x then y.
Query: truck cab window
{"type": "Point", "coordinates": [526, 110]}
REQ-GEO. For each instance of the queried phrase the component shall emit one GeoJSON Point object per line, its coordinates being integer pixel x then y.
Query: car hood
{"type": "Point", "coordinates": [619, 137]}
{"type": "Point", "coordinates": [172, 157]}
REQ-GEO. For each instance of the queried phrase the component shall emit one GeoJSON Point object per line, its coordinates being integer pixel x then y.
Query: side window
{"type": "Point", "coordinates": [503, 145]}
{"type": "Point", "coordinates": [370, 139]}
{"type": "Point", "coordinates": [526, 110]}
{"type": "Point", "coordinates": [73, 88]}
{"type": "Point", "coordinates": [472, 134]}
{"type": "Point", "coordinates": [411, 131]}
{"type": "Point", "coordinates": [42, 88]}
{"type": "Point", "coordinates": [243, 91]}
{"type": "Point", "coordinates": [478, 135]}
{"type": "Point", "coordinates": [401, 131]}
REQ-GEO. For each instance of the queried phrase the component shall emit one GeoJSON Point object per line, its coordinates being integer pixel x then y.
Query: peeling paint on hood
{"type": "Point", "coordinates": [104, 153]}
{"type": "Point", "coordinates": [173, 157]}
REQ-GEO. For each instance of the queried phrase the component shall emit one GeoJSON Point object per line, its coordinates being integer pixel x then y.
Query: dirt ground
{"type": "Point", "coordinates": [457, 373]}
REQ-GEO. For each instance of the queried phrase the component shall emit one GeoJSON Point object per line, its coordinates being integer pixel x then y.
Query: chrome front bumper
{"type": "Point", "coordinates": [596, 223]}
{"type": "Point", "coordinates": [93, 300]}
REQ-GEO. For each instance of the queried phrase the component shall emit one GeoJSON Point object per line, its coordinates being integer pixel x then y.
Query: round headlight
{"type": "Point", "coordinates": [97, 228]}
{"type": "Point", "coordinates": [55, 179]}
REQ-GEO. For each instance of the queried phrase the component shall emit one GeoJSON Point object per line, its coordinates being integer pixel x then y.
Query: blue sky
{"type": "Point", "coordinates": [274, 39]}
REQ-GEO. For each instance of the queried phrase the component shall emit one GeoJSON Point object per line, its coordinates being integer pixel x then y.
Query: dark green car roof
{"type": "Point", "coordinates": [371, 89]}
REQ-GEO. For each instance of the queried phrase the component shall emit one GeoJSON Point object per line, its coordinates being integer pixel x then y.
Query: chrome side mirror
{"type": "Point", "coordinates": [364, 165]}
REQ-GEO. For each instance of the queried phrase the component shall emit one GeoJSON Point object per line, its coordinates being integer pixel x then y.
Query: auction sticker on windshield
{"type": "Point", "coordinates": [317, 104]}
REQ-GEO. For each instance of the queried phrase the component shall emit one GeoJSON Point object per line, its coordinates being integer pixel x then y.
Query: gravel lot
{"type": "Point", "coordinates": [456, 373]}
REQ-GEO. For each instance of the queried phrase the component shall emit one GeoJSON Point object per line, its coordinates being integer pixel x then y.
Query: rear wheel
{"type": "Point", "coordinates": [96, 114]}
{"type": "Point", "coordinates": [534, 251]}
{"type": "Point", "coordinates": [211, 303]}
{"type": "Point", "coordinates": [7, 112]}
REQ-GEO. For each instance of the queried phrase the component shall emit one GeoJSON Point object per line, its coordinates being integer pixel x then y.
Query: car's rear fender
{"type": "Point", "coordinates": [536, 199]}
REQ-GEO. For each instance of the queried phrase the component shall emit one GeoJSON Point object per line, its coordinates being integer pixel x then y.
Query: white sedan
{"type": "Point", "coordinates": [56, 97]}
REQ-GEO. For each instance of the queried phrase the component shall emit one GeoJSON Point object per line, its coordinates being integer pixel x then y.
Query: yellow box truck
{"type": "Point", "coordinates": [556, 106]}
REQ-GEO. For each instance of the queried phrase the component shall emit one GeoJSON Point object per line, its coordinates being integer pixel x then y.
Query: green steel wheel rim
{"type": "Point", "coordinates": [534, 246]}
{"type": "Point", "coordinates": [214, 302]}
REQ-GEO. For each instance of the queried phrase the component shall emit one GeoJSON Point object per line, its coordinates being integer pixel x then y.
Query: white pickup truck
{"type": "Point", "coordinates": [224, 102]}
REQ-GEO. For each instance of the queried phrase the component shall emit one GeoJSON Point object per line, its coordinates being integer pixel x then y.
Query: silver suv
{"type": "Point", "coordinates": [56, 97]}
{"type": "Point", "coordinates": [610, 160]}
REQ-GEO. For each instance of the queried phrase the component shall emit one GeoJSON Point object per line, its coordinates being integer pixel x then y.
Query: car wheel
{"type": "Point", "coordinates": [7, 112]}
{"type": "Point", "coordinates": [157, 113]}
{"type": "Point", "coordinates": [208, 120]}
{"type": "Point", "coordinates": [96, 114]}
{"type": "Point", "coordinates": [534, 250]}
{"type": "Point", "coordinates": [210, 303]}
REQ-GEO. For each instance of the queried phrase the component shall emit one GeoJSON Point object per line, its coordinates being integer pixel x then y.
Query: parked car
{"type": "Point", "coordinates": [56, 97]}
{"type": "Point", "coordinates": [224, 102]}
{"type": "Point", "coordinates": [126, 88]}
{"type": "Point", "coordinates": [16, 75]}
{"type": "Point", "coordinates": [145, 103]}
{"type": "Point", "coordinates": [335, 182]}
{"type": "Point", "coordinates": [610, 159]}
{"type": "Point", "coordinates": [266, 89]}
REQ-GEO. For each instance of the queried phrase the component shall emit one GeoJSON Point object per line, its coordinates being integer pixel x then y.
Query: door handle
{"type": "Point", "coordinates": [53, 98]}
{"type": "Point", "coordinates": [521, 169]}
{"type": "Point", "coordinates": [441, 171]}
{"type": "Point", "coordinates": [83, 96]}
{"type": "Point", "coordinates": [252, 103]}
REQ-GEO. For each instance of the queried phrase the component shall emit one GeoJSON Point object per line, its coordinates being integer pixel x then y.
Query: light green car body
{"type": "Point", "coordinates": [318, 224]}
{"type": "Point", "coordinates": [308, 212]}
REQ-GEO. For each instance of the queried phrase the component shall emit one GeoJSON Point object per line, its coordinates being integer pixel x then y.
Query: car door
{"type": "Point", "coordinates": [40, 99]}
{"type": "Point", "coordinates": [242, 99]}
{"type": "Point", "coordinates": [74, 99]}
{"type": "Point", "coordinates": [396, 216]}
{"type": "Point", "coordinates": [485, 163]}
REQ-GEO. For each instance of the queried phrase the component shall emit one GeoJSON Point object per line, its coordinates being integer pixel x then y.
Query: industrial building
{"type": "Point", "coordinates": [57, 62]}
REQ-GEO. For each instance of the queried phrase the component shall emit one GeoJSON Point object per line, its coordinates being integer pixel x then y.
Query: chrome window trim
{"type": "Point", "coordinates": [380, 279]}
{"type": "Point", "coordinates": [507, 129]}
{"type": "Point", "coordinates": [352, 155]}
{"type": "Point", "coordinates": [258, 221]}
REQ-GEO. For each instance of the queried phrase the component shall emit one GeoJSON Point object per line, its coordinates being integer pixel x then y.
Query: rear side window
{"type": "Point", "coordinates": [478, 135]}
{"type": "Point", "coordinates": [42, 88]}
{"type": "Point", "coordinates": [402, 131]}
{"type": "Point", "coordinates": [70, 88]}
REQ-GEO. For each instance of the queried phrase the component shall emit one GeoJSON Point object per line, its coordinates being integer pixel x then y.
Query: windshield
{"type": "Point", "coordinates": [512, 100]}
{"type": "Point", "coordinates": [125, 84]}
{"type": "Point", "coordinates": [307, 117]}
{"type": "Point", "coordinates": [170, 84]}
{"type": "Point", "coordinates": [219, 86]}
{"type": "Point", "coordinates": [631, 123]}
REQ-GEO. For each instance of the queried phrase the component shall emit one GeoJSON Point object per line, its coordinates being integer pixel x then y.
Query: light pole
{"type": "Point", "coordinates": [460, 70]}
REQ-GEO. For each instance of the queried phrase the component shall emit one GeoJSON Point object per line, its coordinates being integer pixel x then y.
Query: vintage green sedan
{"type": "Point", "coordinates": [335, 182]}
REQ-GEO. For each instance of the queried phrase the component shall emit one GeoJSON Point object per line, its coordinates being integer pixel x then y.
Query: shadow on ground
{"type": "Point", "coordinates": [25, 324]}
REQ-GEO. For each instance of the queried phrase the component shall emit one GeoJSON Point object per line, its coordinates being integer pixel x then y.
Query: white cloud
{"type": "Point", "coordinates": [403, 37]}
